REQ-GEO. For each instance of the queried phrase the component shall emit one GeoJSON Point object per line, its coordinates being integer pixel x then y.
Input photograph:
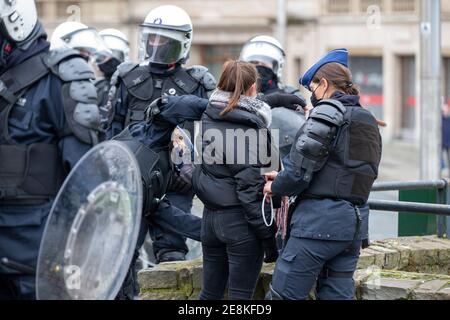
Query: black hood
{"type": "Point", "coordinates": [346, 99]}
{"type": "Point", "coordinates": [268, 80]}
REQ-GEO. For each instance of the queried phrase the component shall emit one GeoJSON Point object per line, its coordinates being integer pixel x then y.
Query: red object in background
{"type": "Point", "coordinates": [378, 100]}
{"type": "Point", "coordinates": [411, 102]}
{"type": "Point", "coordinates": [372, 100]}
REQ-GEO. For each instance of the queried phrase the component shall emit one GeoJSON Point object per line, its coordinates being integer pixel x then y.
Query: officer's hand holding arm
{"type": "Point", "coordinates": [179, 109]}
{"type": "Point", "coordinates": [270, 176]}
{"type": "Point", "coordinates": [286, 100]}
{"type": "Point", "coordinates": [287, 183]}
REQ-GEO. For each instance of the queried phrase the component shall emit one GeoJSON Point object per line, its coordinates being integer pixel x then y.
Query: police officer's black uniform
{"type": "Point", "coordinates": [331, 170]}
{"type": "Point", "coordinates": [48, 120]}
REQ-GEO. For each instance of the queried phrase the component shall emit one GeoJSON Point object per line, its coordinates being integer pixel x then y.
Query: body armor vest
{"type": "Point", "coordinates": [28, 173]}
{"type": "Point", "coordinates": [352, 166]}
{"type": "Point", "coordinates": [33, 173]}
{"type": "Point", "coordinates": [144, 87]}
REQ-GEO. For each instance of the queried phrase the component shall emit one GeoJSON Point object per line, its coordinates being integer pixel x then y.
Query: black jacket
{"type": "Point", "coordinates": [231, 176]}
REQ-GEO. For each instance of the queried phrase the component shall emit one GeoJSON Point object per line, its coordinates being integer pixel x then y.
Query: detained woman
{"type": "Point", "coordinates": [230, 182]}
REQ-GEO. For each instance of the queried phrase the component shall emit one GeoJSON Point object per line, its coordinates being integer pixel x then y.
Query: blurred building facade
{"type": "Point", "coordinates": [382, 36]}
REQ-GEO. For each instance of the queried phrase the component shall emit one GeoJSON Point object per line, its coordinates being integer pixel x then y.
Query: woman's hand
{"type": "Point", "coordinates": [268, 188]}
{"type": "Point", "coordinates": [270, 250]}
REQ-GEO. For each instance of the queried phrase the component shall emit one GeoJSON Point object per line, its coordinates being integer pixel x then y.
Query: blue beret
{"type": "Point", "coordinates": [339, 55]}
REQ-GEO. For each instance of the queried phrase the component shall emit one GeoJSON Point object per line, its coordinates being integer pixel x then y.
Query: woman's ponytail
{"type": "Point", "coordinates": [237, 78]}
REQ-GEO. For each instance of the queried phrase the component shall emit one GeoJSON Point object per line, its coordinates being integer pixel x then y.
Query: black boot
{"type": "Point", "coordinates": [171, 256]}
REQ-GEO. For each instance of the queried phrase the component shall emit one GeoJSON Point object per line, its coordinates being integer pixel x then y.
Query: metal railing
{"type": "Point", "coordinates": [441, 210]}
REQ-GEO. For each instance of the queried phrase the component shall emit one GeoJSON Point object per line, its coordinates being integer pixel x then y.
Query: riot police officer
{"type": "Point", "coordinates": [150, 142]}
{"type": "Point", "coordinates": [107, 62]}
{"type": "Point", "coordinates": [50, 118]}
{"type": "Point", "coordinates": [77, 36]}
{"type": "Point", "coordinates": [268, 55]}
{"type": "Point", "coordinates": [165, 41]}
{"type": "Point", "coordinates": [331, 169]}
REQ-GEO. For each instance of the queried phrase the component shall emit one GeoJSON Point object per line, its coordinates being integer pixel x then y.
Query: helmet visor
{"type": "Point", "coordinates": [87, 41]}
{"type": "Point", "coordinates": [161, 46]}
{"type": "Point", "coordinates": [265, 53]}
{"type": "Point", "coordinates": [118, 46]}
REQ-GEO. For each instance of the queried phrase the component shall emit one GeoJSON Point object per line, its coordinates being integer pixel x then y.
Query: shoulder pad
{"type": "Point", "coordinates": [75, 69]}
{"type": "Point", "coordinates": [291, 89]}
{"type": "Point", "coordinates": [83, 91]}
{"type": "Point", "coordinates": [55, 57]}
{"type": "Point", "coordinates": [126, 67]}
{"type": "Point", "coordinates": [202, 75]}
{"type": "Point", "coordinates": [331, 111]}
{"type": "Point", "coordinates": [81, 109]}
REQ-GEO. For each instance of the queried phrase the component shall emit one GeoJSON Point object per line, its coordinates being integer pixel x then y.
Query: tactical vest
{"type": "Point", "coordinates": [155, 170]}
{"type": "Point", "coordinates": [33, 174]}
{"type": "Point", "coordinates": [352, 166]}
{"type": "Point", "coordinates": [144, 87]}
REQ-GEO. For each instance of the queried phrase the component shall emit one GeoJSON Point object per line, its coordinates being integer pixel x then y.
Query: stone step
{"type": "Point", "coordinates": [414, 268]}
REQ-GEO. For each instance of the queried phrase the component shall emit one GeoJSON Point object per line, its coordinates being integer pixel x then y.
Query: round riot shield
{"type": "Point", "coordinates": [92, 229]}
{"type": "Point", "coordinates": [288, 123]}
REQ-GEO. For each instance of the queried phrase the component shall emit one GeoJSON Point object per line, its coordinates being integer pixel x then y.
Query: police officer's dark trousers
{"type": "Point", "coordinates": [163, 239]}
{"type": "Point", "coordinates": [307, 262]}
{"type": "Point", "coordinates": [21, 229]}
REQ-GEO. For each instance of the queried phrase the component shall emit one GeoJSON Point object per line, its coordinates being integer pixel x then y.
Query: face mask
{"type": "Point", "coordinates": [267, 79]}
{"type": "Point", "coordinates": [109, 67]}
{"type": "Point", "coordinates": [314, 100]}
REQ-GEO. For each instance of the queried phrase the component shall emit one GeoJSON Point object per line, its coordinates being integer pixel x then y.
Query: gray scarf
{"type": "Point", "coordinates": [249, 104]}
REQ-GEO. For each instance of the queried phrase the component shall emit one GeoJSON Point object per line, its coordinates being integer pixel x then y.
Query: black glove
{"type": "Point", "coordinates": [286, 100]}
{"type": "Point", "coordinates": [182, 180]}
{"type": "Point", "coordinates": [154, 108]}
{"type": "Point", "coordinates": [270, 250]}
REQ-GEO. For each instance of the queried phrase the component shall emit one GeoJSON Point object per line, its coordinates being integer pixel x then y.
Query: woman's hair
{"type": "Point", "coordinates": [237, 78]}
{"type": "Point", "coordinates": [339, 76]}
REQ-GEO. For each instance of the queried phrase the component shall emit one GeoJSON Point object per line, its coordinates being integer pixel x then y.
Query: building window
{"type": "Point", "coordinates": [213, 57]}
{"type": "Point", "coordinates": [40, 6]}
{"type": "Point", "coordinates": [368, 75]}
{"type": "Point", "coordinates": [404, 6]}
{"type": "Point", "coordinates": [338, 6]}
{"type": "Point", "coordinates": [366, 4]}
{"type": "Point", "coordinates": [409, 99]}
